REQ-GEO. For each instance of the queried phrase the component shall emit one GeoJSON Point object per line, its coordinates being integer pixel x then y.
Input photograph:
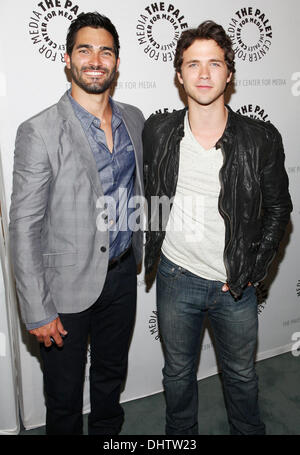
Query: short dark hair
{"type": "Point", "coordinates": [207, 30]}
{"type": "Point", "coordinates": [94, 20]}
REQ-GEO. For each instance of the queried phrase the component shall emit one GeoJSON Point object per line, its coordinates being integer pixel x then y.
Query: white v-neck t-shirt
{"type": "Point", "coordinates": [195, 233]}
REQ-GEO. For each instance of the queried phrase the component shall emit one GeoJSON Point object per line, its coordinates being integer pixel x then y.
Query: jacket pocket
{"type": "Point", "coordinates": [59, 259]}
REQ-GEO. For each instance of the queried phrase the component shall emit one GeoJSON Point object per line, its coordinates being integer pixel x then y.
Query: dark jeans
{"type": "Point", "coordinates": [183, 300]}
{"type": "Point", "coordinates": [108, 323]}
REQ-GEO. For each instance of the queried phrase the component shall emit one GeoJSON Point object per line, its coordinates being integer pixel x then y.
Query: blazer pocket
{"type": "Point", "coordinates": [59, 259]}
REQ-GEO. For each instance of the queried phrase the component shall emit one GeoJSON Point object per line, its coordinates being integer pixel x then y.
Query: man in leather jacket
{"type": "Point", "coordinates": [218, 205]}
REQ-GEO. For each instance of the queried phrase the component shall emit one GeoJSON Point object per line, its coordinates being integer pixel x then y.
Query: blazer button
{"type": "Point", "coordinates": [103, 249]}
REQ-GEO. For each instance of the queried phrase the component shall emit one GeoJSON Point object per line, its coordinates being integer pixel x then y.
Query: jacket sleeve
{"type": "Point", "coordinates": [32, 178]}
{"type": "Point", "coordinates": [146, 151]}
{"type": "Point", "coordinates": [276, 206]}
{"type": "Point", "coordinates": [149, 144]}
{"type": "Point", "coordinates": [147, 161]}
{"type": "Point", "coordinates": [147, 138]}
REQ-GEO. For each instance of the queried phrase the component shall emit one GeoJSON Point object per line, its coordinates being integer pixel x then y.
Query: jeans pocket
{"type": "Point", "coordinates": [167, 269]}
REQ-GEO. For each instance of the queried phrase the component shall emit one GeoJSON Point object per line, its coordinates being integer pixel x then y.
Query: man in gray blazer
{"type": "Point", "coordinates": [75, 239]}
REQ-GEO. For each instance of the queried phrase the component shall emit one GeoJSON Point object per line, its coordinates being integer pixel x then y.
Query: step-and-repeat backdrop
{"type": "Point", "coordinates": [266, 36]}
{"type": "Point", "coordinates": [9, 406]}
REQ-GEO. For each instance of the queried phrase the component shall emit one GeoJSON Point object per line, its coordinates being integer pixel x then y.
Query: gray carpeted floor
{"type": "Point", "coordinates": [279, 384]}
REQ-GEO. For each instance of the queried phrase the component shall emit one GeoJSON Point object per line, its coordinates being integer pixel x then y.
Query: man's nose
{"type": "Point", "coordinates": [95, 59]}
{"type": "Point", "coordinates": [204, 72]}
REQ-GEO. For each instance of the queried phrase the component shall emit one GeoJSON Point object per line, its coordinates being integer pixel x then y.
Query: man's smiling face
{"type": "Point", "coordinates": [93, 63]}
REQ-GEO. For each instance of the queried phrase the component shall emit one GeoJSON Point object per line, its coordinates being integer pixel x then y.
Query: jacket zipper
{"type": "Point", "coordinates": [226, 214]}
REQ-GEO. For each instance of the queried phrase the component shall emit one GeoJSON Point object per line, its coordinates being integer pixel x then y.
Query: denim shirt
{"type": "Point", "coordinates": [116, 172]}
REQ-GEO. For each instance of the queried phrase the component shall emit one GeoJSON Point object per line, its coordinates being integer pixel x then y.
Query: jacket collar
{"type": "Point", "coordinates": [229, 132]}
{"type": "Point", "coordinates": [227, 135]}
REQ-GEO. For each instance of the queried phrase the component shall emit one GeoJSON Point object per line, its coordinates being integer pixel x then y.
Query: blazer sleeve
{"type": "Point", "coordinates": [32, 177]}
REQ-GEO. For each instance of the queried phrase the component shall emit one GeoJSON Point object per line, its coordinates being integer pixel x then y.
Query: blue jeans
{"type": "Point", "coordinates": [183, 300]}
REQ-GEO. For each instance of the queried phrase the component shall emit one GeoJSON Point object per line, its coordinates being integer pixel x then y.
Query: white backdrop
{"type": "Point", "coordinates": [266, 37]}
{"type": "Point", "coordinates": [9, 415]}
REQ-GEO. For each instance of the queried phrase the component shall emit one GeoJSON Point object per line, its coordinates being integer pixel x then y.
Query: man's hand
{"type": "Point", "coordinates": [226, 288]}
{"type": "Point", "coordinates": [54, 329]}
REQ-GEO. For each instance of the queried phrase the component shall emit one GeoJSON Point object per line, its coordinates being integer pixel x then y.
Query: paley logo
{"type": "Point", "coordinates": [296, 85]}
{"type": "Point", "coordinates": [296, 346]}
{"type": "Point", "coordinates": [158, 30]}
{"type": "Point", "coordinates": [153, 325]}
{"type": "Point", "coordinates": [296, 335]}
{"type": "Point", "coordinates": [251, 34]}
{"type": "Point", "coordinates": [254, 111]}
{"type": "Point", "coordinates": [48, 25]}
{"type": "Point", "coordinates": [164, 110]}
{"type": "Point", "coordinates": [262, 296]}
{"type": "Point", "coordinates": [298, 288]}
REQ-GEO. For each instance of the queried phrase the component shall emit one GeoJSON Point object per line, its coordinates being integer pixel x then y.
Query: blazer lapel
{"type": "Point", "coordinates": [136, 142]}
{"type": "Point", "coordinates": [80, 143]}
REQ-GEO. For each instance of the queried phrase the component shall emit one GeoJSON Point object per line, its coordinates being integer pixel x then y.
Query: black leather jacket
{"type": "Point", "coordinates": [254, 198]}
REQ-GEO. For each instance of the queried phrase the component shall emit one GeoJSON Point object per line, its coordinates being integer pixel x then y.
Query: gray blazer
{"type": "Point", "coordinates": [59, 256]}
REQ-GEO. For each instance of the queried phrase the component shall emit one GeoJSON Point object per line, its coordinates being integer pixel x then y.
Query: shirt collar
{"type": "Point", "coordinates": [86, 118]}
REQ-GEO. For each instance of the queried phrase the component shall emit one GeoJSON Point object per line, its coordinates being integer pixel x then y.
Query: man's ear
{"type": "Point", "coordinates": [229, 78]}
{"type": "Point", "coordinates": [67, 60]}
{"type": "Point", "coordinates": [179, 77]}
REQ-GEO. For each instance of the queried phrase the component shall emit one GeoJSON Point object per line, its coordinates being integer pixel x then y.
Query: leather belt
{"type": "Point", "coordinates": [115, 261]}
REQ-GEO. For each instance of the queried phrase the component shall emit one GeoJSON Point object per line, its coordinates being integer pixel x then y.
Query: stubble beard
{"type": "Point", "coordinates": [97, 87]}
